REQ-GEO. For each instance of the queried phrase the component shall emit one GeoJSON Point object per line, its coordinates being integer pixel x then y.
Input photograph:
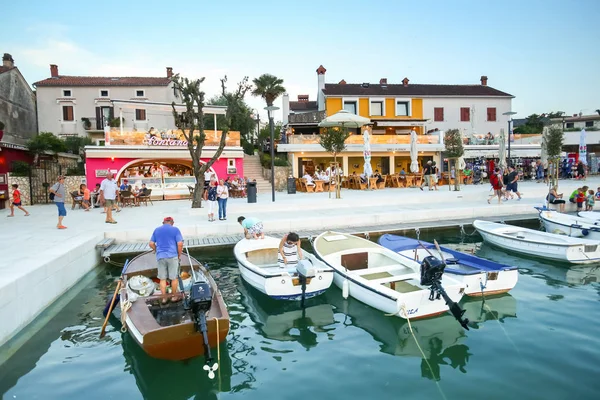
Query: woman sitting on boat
{"type": "Point", "coordinates": [289, 250]}
{"type": "Point", "coordinates": [556, 198]}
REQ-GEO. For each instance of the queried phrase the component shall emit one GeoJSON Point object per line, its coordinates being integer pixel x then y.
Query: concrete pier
{"type": "Point", "coordinates": [39, 262]}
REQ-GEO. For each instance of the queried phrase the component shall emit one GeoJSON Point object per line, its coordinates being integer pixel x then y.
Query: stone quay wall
{"type": "Point", "coordinates": [71, 182]}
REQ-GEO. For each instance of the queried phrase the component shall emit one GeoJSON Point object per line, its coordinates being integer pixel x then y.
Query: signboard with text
{"type": "Point", "coordinates": [165, 138]}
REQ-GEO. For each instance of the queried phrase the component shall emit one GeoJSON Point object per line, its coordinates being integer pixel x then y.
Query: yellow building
{"type": "Point", "coordinates": [394, 110]}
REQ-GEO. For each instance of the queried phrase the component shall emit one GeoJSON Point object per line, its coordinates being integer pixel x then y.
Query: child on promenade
{"type": "Point", "coordinates": [580, 199]}
{"type": "Point", "coordinates": [84, 192]}
{"type": "Point", "coordinates": [16, 202]}
{"type": "Point", "coordinates": [590, 201]}
{"type": "Point", "coordinates": [253, 227]}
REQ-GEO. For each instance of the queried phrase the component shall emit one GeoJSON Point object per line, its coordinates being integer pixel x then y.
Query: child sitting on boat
{"type": "Point", "coordinates": [289, 250]}
{"type": "Point", "coordinates": [253, 227]}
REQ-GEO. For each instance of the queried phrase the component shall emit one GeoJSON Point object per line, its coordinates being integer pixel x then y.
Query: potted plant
{"type": "Point", "coordinates": [116, 122]}
{"type": "Point", "coordinates": [86, 123]}
{"type": "Point", "coordinates": [1, 129]}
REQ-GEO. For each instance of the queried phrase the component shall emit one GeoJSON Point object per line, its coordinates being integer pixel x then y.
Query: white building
{"type": "Point", "coordinates": [81, 105]}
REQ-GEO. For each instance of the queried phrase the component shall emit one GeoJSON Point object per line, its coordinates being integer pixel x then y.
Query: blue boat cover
{"type": "Point", "coordinates": [473, 263]}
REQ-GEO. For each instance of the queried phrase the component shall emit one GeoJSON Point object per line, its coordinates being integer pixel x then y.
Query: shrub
{"type": "Point", "coordinates": [281, 162]}
{"type": "Point", "coordinates": [248, 148]}
{"type": "Point", "coordinates": [20, 168]}
{"type": "Point", "coordinates": [265, 160]}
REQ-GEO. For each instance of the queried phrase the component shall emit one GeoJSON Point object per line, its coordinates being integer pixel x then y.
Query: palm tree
{"type": "Point", "coordinates": [269, 87]}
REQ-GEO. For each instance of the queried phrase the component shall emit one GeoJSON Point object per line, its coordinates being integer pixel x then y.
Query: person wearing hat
{"type": "Point", "coordinates": [125, 185]}
{"type": "Point", "coordinates": [167, 243]}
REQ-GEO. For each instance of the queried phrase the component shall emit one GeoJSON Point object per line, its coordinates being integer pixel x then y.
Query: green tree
{"type": "Point", "coordinates": [454, 150]}
{"type": "Point", "coordinates": [533, 124]}
{"type": "Point", "coordinates": [333, 140]}
{"type": "Point", "coordinates": [241, 121]}
{"type": "Point", "coordinates": [269, 87]}
{"type": "Point", "coordinates": [43, 143]}
{"type": "Point", "coordinates": [554, 144]}
{"type": "Point", "coordinates": [191, 123]}
{"type": "Point", "coordinates": [555, 114]}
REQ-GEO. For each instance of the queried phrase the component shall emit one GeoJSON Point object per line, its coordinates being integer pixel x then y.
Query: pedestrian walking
{"type": "Point", "coordinates": [57, 194]}
{"type": "Point", "coordinates": [434, 175]}
{"type": "Point", "coordinates": [513, 177]}
{"type": "Point", "coordinates": [426, 175]}
{"type": "Point", "coordinates": [16, 201]}
{"type": "Point", "coordinates": [496, 182]}
{"type": "Point", "coordinates": [222, 196]}
{"type": "Point", "coordinates": [210, 195]}
{"type": "Point", "coordinates": [108, 194]}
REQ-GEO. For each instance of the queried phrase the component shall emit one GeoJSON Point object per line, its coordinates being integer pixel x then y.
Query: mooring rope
{"type": "Point", "coordinates": [126, 305]}
{"type": "Point", "coordinates": [418, 233]}
{"type": "Point", "coordinates": [218, 351]}
{"type": "Point", "coordinates": [462, 231]}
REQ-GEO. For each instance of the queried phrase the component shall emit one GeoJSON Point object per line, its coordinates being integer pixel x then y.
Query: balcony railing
{"type": "Point", "coordinates": [518, 138]}
{"type": "Point", "coordinates": [307, 118]}
{"type": "Point", "coordinates": [375, 139]}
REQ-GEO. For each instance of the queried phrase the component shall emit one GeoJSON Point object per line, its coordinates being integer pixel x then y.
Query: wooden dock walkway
{"type": "Point", "coordinates": [231, 240]}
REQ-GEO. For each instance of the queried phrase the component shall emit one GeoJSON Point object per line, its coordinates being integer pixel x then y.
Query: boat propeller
{"type": "Point", "coordinates": [211, 369]}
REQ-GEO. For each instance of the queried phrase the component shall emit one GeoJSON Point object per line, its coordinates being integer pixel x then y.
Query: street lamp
{"type": "Point", "coordinates": [510, 114]}
{"type": "Point", "coordinates": [271, 111]}
{"type": "Point", "coordinates": [257, 128]}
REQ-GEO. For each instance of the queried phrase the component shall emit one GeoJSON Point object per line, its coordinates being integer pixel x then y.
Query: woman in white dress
{"type": "Point", "coordinates": [290, 250]}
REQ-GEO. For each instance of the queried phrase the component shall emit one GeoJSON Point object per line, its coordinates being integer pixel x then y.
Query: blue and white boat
{"type": "Point", "coordinates": [569, 225]}
{"type": "Point", "coordinates": [480, 276]}
{"type": "Point", "coordinates": [257, 260]}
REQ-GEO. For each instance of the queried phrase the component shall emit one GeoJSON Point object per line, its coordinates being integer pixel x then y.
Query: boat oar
{"type": "Point", "coordinates": [112, 303]}
{"type": "Point", "coordinates": [437, 246]}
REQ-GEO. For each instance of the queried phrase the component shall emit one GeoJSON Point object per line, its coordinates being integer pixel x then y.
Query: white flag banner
{"type": "Point", "coordinates": [582, 148]}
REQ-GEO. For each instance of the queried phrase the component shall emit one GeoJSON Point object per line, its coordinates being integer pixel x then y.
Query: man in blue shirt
{"type": "Point", "coordinates": [167, 243]}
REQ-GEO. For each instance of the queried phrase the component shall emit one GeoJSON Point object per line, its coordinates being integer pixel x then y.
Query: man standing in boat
{"type": "Point", "coordinates": [167, 243]}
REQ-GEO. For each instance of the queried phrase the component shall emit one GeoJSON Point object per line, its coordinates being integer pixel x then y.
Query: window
{"type": "Point", "coordinates": [570, 125]}
{"type": "Point", "coordinates": [589, 124]}
{"type": "Point", "coordinates": [377, 108]}
{"type": "Point", "coordinates": [66, 93]}
{"type": "Point", "coordinates": [491, 114]}
{"type": "Point", "coordinates": [465, 114]}
{"type": "Point", "coordinates": [104, 93]}
{"type": "Point", "coordinates": [438, 114]}
{"type": "Point", "coordinates": [350, 106]}
{"type": "Point", "coordinates": [140, 115]}
{"type": "Point", "coordinates": [402, 108]}
{"type": "Point", "coordinates": [139, 93]}
{"type": "Point", "coordinates": [68, 113]}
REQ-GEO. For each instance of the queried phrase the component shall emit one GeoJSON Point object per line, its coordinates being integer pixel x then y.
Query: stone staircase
{"type": "Point", "coordinates": [253, 170]}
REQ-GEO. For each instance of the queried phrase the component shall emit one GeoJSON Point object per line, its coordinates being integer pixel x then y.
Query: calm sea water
{"type": "Point", "coordinates": [540, 342]}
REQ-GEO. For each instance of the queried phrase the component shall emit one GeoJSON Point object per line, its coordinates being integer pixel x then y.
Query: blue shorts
{"type": "Point", "coordinates": [62, 211]}
{"type": "Point", "coordinates": [511, 187]}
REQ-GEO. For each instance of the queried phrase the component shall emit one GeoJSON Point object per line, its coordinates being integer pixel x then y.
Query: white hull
{"type": "Point", "coordinates": [279, 283]}
{"type": "Point", "coordinates": [570, 225]}
{"type": "Point", "coordinates": [539, 244]}
{"type": "Point", "coordinates": [373, 291]}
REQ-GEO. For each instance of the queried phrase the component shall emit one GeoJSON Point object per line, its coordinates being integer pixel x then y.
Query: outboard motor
{"type": "Point", "coordinates": [305, 270]}
{"type": "Point", "coordinates": [200, 302]}
{"type": "Point", "coordinates": [432, 270]}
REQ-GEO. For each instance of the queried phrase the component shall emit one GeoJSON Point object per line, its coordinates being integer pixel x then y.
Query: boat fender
{"type": "Point", "coordinates": [585, 232]}
{"type": "Point", "coordinates": [345, 289]}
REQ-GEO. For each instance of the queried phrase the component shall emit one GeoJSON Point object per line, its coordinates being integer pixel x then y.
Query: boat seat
{"type": "Point", "coordinates": [141, 317]}
{"type": "Point", "coordinates": [394, 278]}
{"type": "Point", "coordinates": [385, 268]}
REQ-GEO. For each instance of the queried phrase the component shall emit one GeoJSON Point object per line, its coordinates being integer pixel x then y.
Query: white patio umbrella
{"type": "Point", "coordinates": [345, 119]}
{"type": "Point", "coordinates": [414, 153]}
{"type": "Point", "coordinates": [367, 169]}
{"type": "Point", "coordinates": [502, 150]}
{"type": "Point", "coordinates": [544, 153]}
{"type": "Point", "coordinates": [582, 147]}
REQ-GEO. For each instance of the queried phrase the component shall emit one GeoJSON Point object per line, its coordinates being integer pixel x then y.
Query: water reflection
{"type": "Point", "coordinates": [286, 321]}
{"type": "Point", "coordinates": [439, 338]}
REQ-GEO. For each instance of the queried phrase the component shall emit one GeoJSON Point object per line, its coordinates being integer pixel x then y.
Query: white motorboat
{"type": "Point", "coordinates": [590, 215]}
{"type": "Point", "coordinates": [386, 280]}
{"type": "Point", "coordinates": [257, 260]}
{"type": "Point", "coordinates": [539, 244]}
{"type": "Point", "coordinates": [570, 225]}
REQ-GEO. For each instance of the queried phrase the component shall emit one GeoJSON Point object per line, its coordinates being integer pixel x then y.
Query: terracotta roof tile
{"type": "Point", "coordinates": [63, 80]}
{"type": "Point", "coordinates": [411, 90]}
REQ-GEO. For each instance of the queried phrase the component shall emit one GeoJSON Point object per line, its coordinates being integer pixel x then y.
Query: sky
{"type": "Point", "coordinates": [544, 52]}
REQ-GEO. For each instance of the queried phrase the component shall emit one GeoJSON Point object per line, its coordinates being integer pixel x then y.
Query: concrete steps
{"type": "Point", "coordinates": [253, 170]}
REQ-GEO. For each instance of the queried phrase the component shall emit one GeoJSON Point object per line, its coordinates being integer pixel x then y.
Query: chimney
{"type": "Point", "coordinates": [169, 72]}
{"type": "Point", "coordinates": [483, 80]}
{"type": "Point", "coordinates": [320, 87]}
{"type": "Point", "coordinates": [383, 81]}
{"type": "Point", "coordinates": [342, 82]}
{"type": "Point", "coordinates": [7, 61]}
{"type": "Point", "coordinates": [54, 70]}
{"type": "Point", "coordinates": [285, 109]}
{"type": "Point", "coordinates": [405, 82]}
{"type": "Point", "coordinates": [303, 98]}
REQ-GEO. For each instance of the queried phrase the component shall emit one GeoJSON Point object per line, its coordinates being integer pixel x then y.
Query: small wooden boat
{"type": "Point", "coordinates": [257, 260]}
{"type": "Point", "coordinates": [480, 276]}
{"type": "Point", "coordinates": [570, 225]}
{"type": "Point", "coordinates": [539, 244]}
{"type": "Point", "coordinates": [386, 280]}
{"type": "Point", "coordinates": [172, 331]}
